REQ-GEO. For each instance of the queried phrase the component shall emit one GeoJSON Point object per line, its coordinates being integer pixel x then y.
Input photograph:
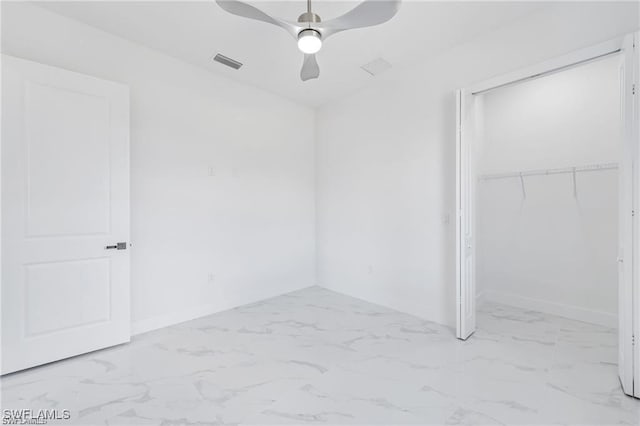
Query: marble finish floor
{"type": "Point", "coordinates": [314, 356]}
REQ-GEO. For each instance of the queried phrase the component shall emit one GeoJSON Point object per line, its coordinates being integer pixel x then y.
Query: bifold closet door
{"type": "Point", "coordinates": [465, 221]}
{"type": "Point", "coordinates": [65, 208]}
{"type": "Point", "coordinates": [628, 294]}
{"type": "Point", "coordinates": [636, 137]}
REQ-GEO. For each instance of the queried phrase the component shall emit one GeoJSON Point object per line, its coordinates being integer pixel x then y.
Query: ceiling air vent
{"type": "Point", "coordinates": [227, 61]}
{"type": "Point", "coordinates": [376, 66]}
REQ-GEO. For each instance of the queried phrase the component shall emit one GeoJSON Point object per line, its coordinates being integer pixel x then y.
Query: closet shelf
{"type": "Point", "coordinates": [559, 171]}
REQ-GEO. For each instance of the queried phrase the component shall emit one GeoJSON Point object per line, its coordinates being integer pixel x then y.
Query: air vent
{"type": "Point", "coordinates": [376, 66]}
{"type": "Point", "coordinates": [227, 61]}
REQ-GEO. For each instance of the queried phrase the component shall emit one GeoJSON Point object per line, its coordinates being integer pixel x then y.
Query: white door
{"type": "Point", "coordinates": [627, 222]}
{"type": "Point", "coordinates": [628, 294]}
{"type": "Point", "coordinates": [65, 198]}
{"type": "Point", "coordinates": [636, 184]}
{"type": "Point", "coordinates": [465, 226]}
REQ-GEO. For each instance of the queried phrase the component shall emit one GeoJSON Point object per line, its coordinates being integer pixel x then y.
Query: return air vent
{"type": "Point", "coordinates": [376, 66]}
{"type": "Point", "coordinates": [227, 61]}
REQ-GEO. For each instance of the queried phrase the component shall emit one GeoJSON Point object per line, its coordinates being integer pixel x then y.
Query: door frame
{"type": "Point", "coordinates": [465, 214]}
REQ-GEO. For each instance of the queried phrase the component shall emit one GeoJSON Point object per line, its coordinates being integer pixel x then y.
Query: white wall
{"type": "Point", "coordinates": [549, 250]}
{"type": "Point", "coordinates": [385, 160]}
{"type": "Point", "coordinates": [251, 226]}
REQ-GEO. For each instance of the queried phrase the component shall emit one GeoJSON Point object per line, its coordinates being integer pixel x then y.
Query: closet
{"type": "Point", "coordinates": [547, 193]}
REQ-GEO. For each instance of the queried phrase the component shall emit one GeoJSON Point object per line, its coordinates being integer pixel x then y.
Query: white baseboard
{"type": "Point", "coordinates": [567, 311]}
{"type": "Point", "coordinates": [442, 318]}
{"type": "Point", "coordinates": [173, 318]}
{"type": "Point", "coordinates": [161, 321]}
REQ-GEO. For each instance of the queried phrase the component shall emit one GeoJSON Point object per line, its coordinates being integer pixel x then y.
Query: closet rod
{"type": "Point", "coordinates": [542, 172]}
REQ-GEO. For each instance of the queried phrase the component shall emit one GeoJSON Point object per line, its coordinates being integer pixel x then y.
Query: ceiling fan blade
{"type": "Point", "coordinates": [310, 68]}
{"type": "Point", "coordinates": [245, 10]}
{"type": "Point", "coordinates": [366, 14]}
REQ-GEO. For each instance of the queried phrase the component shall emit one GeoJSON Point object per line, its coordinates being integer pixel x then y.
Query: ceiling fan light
{"type": "Point", "coordinates": [309, 41]}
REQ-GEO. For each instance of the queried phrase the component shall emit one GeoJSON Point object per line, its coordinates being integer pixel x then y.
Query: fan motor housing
{"type": "Point", "coordinates": [309, 17]}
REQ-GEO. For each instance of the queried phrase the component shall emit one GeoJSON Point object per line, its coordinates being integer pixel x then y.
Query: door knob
{"type": "Point", "coordinates": [117, 246]}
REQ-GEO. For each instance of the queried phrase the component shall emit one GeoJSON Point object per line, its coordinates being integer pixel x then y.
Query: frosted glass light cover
{"type": "Point", "coordinates": [309, 41]}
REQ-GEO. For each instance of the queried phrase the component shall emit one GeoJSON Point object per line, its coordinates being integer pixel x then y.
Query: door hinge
{"type": "Point", "coordinates": [633, 89]}
{"type": "Point", "coordinates": [633, 340]}
{"type": "Point", "coordinates": [633, 213]}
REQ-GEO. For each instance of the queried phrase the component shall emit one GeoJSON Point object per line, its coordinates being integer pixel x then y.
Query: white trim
{"type": "Point", "coordinates": [635, 287]}
{"type": "Point", "coordinates": [458, 215]}
{"type": "Point", "coordinates": [173, 318]}
{"type": "Point", "coordinates": [557, 64]}
{"type": "Point", "coordinates": [573, 312]}
{"type": "Point", "coordinates": [195, 312]}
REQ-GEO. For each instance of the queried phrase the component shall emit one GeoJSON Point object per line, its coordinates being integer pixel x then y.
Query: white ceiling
{"type": "Point", "coordinates": [195, 31]}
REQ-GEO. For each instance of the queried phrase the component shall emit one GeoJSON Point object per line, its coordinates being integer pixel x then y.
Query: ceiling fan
{"type": "Point", "coordinates": [310, 31]}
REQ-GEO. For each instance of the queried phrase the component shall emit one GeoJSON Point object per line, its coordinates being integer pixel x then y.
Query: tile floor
{"type": "Point", "coordinates": [314, 356]}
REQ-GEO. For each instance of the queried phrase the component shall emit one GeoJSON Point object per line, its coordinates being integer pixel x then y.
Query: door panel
{"type": "Point", "coordinates": [627, 224]}
{"type": "Point", "coordinates": [465, 224]}
{"type": "Point", "coordinates": [48, 286]}
{"type": "Point", "coordinates": [67, 136]}
{"type": "Point", "coordinates": [65, 197]}
{"type": "Point", "coordinates": [636, 259]}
